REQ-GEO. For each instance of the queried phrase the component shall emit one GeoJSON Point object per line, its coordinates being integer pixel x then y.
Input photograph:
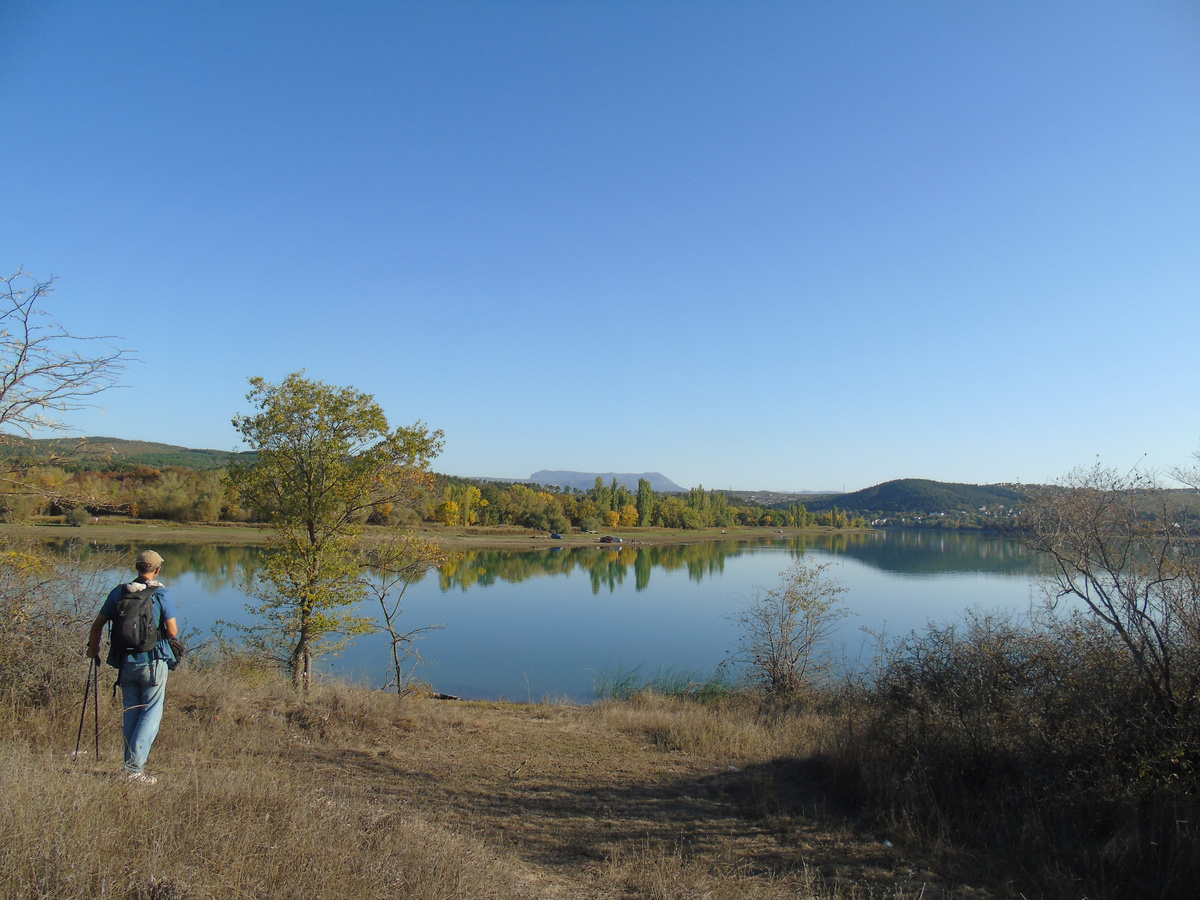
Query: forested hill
{"type": "Point", "coordinates": [115, 453]}
{"type": "Point", "coordinates": [919, 496]}
{"type": "Point", "coordinates": [584, 480]}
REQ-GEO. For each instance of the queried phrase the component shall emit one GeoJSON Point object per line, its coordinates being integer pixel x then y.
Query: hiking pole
{"type": "Point", "coordinates": [87, 688]}
{"type": "Point", "coordinates": [92, 685]}
{"type": "Point", "coordinates": [96, 702]}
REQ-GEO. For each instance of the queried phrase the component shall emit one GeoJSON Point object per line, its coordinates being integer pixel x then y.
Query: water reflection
{"type": "Point", "coordinates": [551, 619]}
{"type": "Point", "coordinates": [904, 551]}
{"type": "Point", "coordinates": [213, 566]}
{"type": "Point", "coordinates": [898, 551]}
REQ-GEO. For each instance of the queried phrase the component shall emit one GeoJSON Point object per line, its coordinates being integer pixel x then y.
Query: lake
{"type": "Point", "coordinates": [545, 623]}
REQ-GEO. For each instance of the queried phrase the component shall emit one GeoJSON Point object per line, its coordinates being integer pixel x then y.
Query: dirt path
{"type": "Point", "coordinates": [571, 796]}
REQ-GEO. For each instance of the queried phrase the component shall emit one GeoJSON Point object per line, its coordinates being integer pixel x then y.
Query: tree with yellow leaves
{"type": "Point", "coordinates": [325, 461]}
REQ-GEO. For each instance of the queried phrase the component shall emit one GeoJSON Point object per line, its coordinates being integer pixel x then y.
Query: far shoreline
{"type": "Point", "coordinates": [504, 537]}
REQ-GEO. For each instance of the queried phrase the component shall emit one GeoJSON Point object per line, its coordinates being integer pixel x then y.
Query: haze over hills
{"type": "Point", "coordinates": [584, 480]}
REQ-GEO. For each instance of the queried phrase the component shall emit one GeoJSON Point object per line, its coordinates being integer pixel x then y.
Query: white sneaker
{"type": "Point", "coordinates": [140, 778]}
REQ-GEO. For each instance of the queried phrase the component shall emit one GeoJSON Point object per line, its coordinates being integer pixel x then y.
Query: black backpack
{"type": "Point", "coordinates": [135, 625]}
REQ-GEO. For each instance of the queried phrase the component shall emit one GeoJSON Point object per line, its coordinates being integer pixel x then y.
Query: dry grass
{"type": "Point", "coordinates": [242, 811]}
{"type": "Point", "coordinates": [737, 728]}
{"type": "Point", "coordinates": [356, 794]}
{"type": "Point", "coordinates": [237, 832]}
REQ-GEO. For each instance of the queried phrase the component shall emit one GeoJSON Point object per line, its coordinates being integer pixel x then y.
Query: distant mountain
{"type": "Point", "coordinates": [115, 453]}
{"type": "Point", "coordinates": [584, 480]}
{"type": "Point", "coordinates": [920, 496]}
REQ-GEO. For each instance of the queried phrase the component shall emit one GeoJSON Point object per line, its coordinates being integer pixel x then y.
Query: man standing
{"type": "Point", "coordinates": [139, 649]}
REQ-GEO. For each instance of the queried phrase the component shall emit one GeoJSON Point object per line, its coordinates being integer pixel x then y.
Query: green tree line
{"type": "Point", "coordinates": [188, 495]}
{"type": "Point", "coordinates": [611, 506]}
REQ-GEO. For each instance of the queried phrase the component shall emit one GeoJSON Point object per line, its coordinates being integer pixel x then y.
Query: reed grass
{"type": "Point", "coordinates": [624, 683]}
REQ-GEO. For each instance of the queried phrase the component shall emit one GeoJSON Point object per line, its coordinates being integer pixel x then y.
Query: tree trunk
{"type": "Point", "coordinates": [302, 666]}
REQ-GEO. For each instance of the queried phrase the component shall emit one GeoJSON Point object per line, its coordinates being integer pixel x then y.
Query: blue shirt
{"type": "Point", "coordinates": [166, 610]}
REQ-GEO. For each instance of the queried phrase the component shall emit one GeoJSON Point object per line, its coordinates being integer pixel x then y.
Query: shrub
{"type": "Point", "coordinates": [47, 602]}
{"type": "Point", "coordinates": [786, 631]}
{"type": "Point", "coordinates": [1039, 746]}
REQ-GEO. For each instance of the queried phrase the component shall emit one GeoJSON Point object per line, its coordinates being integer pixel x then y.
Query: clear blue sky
{"type": "Point", "coordinates": [752, 245]}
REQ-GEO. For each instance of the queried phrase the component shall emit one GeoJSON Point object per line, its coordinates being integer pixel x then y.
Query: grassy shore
{"type": "Point", "coordinates": [451, 538]}
{"type": "Point", "coordinates": [355, 793]}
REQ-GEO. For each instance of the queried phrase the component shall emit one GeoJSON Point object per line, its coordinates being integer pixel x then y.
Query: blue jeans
{"type": "Point", "coordinates": [143, 688]}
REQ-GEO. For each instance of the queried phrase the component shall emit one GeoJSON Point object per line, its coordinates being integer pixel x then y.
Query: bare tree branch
{"type": "Point", "coordinates": [395, 564]}
{"type": "Point", "coordinates": [1189, 475]}
{"type": "Point", "coordinates": [1119, 545]}
{"type": "Point", "coordinates": [44, 369]}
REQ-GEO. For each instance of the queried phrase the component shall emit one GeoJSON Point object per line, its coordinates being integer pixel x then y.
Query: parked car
{"type": "Point", "coordinates": [555, 536]}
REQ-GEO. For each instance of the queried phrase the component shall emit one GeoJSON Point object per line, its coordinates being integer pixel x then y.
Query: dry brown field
{"type": "Point", "coordinates": [357, 794]}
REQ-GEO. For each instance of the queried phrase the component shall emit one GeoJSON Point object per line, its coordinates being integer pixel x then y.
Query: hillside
{"type": "Point", "coordinates": [116, 453]}
{"type": "Point", "coordinates": [919, 496]}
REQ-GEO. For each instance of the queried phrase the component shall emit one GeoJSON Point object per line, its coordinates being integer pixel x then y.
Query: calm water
{"type": "Point", "coordinates": [524, 625]}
